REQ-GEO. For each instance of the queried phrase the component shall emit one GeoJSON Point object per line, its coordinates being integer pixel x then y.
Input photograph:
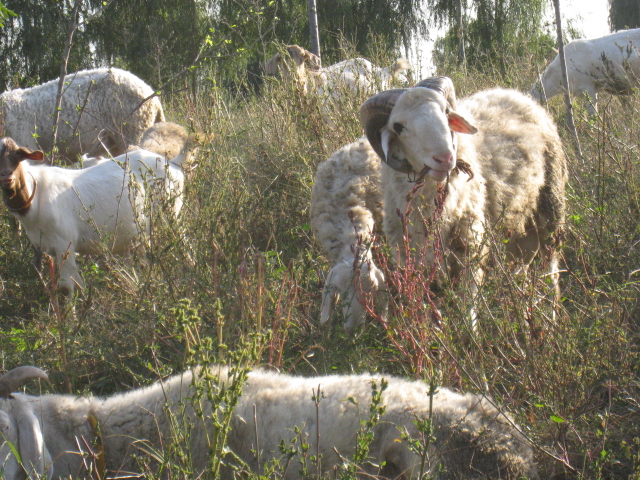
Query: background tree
{"type": "Point", "coordinates": [451, 14]}
{"type": "Point", "coordinates": [492, 28]}
{"type": "Point", "coordinates": [624, 14]}
{"type": "Point", "coordinates": [151, 38]}
{"type": "Point", "coordinates": [31, 42]}
{"type": "Point", "coordinates": [4, 14]}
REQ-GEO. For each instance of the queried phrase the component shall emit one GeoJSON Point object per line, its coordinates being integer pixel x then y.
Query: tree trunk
{"type": "Point", "coordinates": [313, 28]}
{"type": "Point", "coordinates": [565, 81]}
{"type": "Point", "coordinates": [460, 21]}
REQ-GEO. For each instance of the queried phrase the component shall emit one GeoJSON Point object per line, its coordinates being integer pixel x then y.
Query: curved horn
{"type": "Point", "coordinates": [374, 115]}
{"type": "Point", "coordinates": [442, 85]}
{"type": "Point", "coordinates": [14, 379]}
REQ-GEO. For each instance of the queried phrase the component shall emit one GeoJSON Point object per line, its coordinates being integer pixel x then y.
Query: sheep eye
{"type": "Point", "coordinates": [398, 127]}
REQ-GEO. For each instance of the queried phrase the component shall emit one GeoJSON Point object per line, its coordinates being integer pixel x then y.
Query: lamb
{"type": "Point", "coordinates": [65, 212]}
{"type": "Point", "coordinates": [276, 65]}
{"type": "Point", "coordinates": [608, 64]}
{"type": "Point", "coordinates": [472, 438]}
{"type": "Point", "coordinates": [354, 75]}
{"type": "Point", "coordinates": [172, 141]}
{"type": "Point", "coordinates": [511, 175]}
{"type": "Point", "coordinates": [102, 111]}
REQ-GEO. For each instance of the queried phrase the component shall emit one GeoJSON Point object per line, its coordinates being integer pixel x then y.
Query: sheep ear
{"type": "Point", "coordinates": [459, 124]}
{"type": "Point", "coordinates": [26, 154]}
{"type": "Point", "coordinates": [33, 452]}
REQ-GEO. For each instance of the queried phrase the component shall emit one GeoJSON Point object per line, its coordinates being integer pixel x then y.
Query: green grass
{"type": "Point", "coordinates": [243, 255]}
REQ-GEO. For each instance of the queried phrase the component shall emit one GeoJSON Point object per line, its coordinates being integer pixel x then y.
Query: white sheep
{"type": "Point", "coordinates": [102, 111]}
{"type": "Point", "coordinates": [172, 141]}
{"type": "Point", "coordinates": [355, 75]}
{"type": "Point", "coordinates": [608, 64]}
{"type": "Point", "coordinates": [511, 174]}
{"type": "Point", "coordinates": [471, 437]}
{"type": "Point", "coordinates": [65, 212]}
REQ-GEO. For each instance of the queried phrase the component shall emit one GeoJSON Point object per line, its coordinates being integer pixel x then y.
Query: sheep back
{"type": "Point", "coordinates": [473, 439]}
{"type": "Point", "coordinates": [520, 156]}
{"type": "Point", "coordinates": [104, 104]}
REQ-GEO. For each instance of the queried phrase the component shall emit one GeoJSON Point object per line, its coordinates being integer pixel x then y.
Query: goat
{"type": "Point", "coordinates": [608, 64]}
{"type": "Point", "coordinates": [65, 212]}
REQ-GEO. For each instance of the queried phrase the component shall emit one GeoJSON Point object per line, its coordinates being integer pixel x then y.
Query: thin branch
{"type": "Point", "coordinates": [565, 81]}
{"type": "Point", "coordinates": [73, 26]}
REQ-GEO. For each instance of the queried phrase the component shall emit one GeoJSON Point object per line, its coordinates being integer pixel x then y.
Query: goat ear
{"type": "Point", "coordinates": [26, 154]}
{"type": "Point", "coordinates": [459, 124]}
{"type": "Point", "coordinates": [33, 452]}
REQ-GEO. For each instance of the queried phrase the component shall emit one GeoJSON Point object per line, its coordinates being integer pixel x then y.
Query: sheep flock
{"type": "Point", "coordinates": [455, 172]}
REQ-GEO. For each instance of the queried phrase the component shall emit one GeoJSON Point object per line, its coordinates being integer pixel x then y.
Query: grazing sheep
{"type": "Point", "coordinates": [173, 142]}
{"type": "Point", "coordinates": [472, 438]}
{"type": "Point", "coordinates": [276, 65]}
{"type": "Point", "coordinates": [102, 111]}
{"type": "Point", "coordinates": [65, 212]}
{"type": "Point", "coordinates": [608, 64]}
{"type": "Point", "coordinates": [511, 174]}
{"type": "Point", "coordinates": [356, 75]}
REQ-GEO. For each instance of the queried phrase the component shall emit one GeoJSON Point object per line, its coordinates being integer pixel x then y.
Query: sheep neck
{"type": "Point", "coordinates": [17, 199]}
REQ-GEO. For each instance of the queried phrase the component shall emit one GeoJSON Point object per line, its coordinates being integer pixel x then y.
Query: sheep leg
{"type": "Point", "coordinates": [350, 280]}
{"type": "Point", "coordinates": [524, 249]}
{"type": "Point", "coordinates": [552, 260]}
{"type": "Point", "coordinates": [591, 100]}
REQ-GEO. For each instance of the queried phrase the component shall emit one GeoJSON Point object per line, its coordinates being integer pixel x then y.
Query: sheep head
{"type": "Point", "coordinates": [20, 429]}
{"type": "Point", "coordinates": [414, 130]}
{"type": "Point", "coordinates": [301, 61]}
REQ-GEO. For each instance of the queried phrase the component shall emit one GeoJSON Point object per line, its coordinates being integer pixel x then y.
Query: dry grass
{"type": "Point", "coordinates": [243, 256]}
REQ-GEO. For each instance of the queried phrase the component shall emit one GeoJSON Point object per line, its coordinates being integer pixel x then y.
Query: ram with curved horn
{"type": "Point", "coordinates": [65, 436]}
{"type": "Point", "coordinates": [20, 429]}
{"type": "Point", "coordinates": [496, 154]}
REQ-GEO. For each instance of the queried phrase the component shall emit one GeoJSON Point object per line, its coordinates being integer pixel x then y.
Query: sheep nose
{"type": "Point", "coordinates": [446, 159]}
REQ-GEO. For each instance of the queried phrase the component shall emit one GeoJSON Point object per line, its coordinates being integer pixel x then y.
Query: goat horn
{"type": "Point", "coordinates": [15, 378]}
{"type": "Point", "coordinates": [374, 115]}
{"type": "Point", "coordinates": [442, 85]}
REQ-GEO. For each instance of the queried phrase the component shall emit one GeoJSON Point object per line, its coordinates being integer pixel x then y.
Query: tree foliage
{"type": "Point", "coordinates": [31, 42]}
{"type": "Point", "coordinates": [4, 14]}
{"type": "Point", "coordinates": [152, 38]}
{"type": "Point", "coordinates": [156, 39]}
{"type": "Point", "coordinates": [491, 28]}
{"type": "Point", "coordinates": [624, 14]}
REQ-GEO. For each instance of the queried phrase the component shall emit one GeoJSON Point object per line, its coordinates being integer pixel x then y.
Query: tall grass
{"type": "Point", "coordinates": [242, 254]}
